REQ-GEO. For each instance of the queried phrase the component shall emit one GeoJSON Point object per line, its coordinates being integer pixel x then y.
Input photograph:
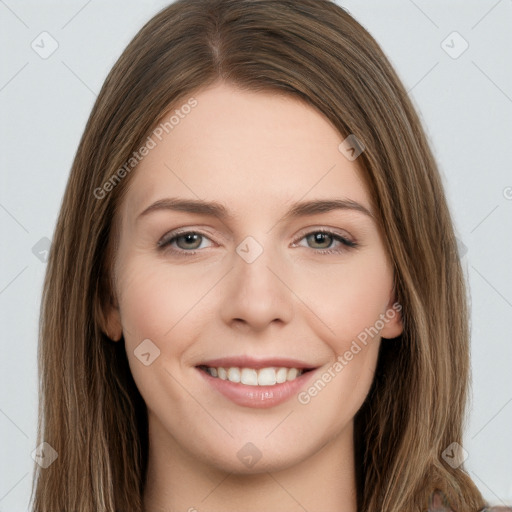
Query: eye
{"type": "Point", "coordinates": [189, 242]}
{"type": "Point", "coordinates": [326, 239]}
{"type": "Point", "coordinates": [186, 241]}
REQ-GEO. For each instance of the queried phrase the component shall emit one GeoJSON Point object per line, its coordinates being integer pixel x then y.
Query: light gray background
{"type": "Point", "coordinates": [465, 104]}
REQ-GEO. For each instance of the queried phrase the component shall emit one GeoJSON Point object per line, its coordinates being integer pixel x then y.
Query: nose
{"type": "Point", "coordinates": [257, 291]}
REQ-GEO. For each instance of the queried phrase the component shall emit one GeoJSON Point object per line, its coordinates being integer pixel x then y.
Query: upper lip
{"type": "Point", "coordinates": [251, 362]}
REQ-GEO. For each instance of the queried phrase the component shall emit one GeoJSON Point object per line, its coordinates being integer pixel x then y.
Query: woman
{"type": "Point", "coordinates": [254, 371]}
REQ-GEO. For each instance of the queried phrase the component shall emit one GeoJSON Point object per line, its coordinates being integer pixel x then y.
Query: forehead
{"type": "Point", "coordinates": [248, 150]}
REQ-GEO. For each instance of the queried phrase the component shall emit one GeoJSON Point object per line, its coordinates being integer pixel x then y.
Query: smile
{"type": "Point", "coordinates": [256, 383]}
{"type": "Point", "coordinates": [253, 376]}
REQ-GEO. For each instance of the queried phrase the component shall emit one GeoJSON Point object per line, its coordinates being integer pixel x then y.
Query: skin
{"type": "Point", "coordinates": [257, 154]}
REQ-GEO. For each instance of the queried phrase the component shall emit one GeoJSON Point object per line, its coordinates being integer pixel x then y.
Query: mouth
{"type": "Point", "coordinates": [269, 376]}
{"type": "Point", "coordinates": [248, 382]}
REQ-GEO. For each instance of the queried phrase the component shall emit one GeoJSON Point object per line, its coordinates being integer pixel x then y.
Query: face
{"type": "Point", "coordinates": [291, 301]}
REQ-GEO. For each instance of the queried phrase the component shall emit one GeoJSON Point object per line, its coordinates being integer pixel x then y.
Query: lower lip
{"type": "Point", "coordinates": [259, 397]}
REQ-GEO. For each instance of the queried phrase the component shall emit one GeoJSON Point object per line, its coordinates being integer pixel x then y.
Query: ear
{"type": "Point", "coordinates": [108, 318]}
{"type": "Point", "coordinates": [392, 318]}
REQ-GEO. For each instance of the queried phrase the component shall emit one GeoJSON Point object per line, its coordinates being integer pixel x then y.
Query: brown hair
{"type": "Point", "coordinates": [90, 410]}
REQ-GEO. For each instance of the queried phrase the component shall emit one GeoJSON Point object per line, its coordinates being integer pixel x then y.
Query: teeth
{"type": "Point", "coordinates": [267, 377]}
{"type": "Point", "coordinates": [253, 377]}
{"type": "Point", "coordinates": [281, 375]}
{"type": "Point", "coordinates": [292, 374]}
{"type": "Point", "coordinates": [249, 376]}
{"type": "Point", "coordinates": [234, 375]}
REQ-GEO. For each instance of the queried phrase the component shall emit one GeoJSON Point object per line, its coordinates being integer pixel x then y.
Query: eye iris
{"type": "Point", "coordinates": [320, 238]}
{"type": "Point", "coordinates": [189, 237]}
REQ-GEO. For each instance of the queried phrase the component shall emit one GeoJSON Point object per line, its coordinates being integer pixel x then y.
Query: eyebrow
{"type": "Point", "coordinates": [218, 210]}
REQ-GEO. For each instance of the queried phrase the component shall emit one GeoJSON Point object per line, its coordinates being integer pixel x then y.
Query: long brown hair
{"type": "Point", "coordinates": [90, 410]}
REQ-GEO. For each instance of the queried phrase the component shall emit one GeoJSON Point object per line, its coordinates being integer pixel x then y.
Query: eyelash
{"type": "Point", "coordinates": [165, 242]}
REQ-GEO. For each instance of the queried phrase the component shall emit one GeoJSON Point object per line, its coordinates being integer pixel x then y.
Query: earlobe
{"type": "Point", "coordinates": [109, 320]}
{"type": "Point", "coordinates": [114, 329]}
{"type": "Point", "coordinates": [392, 319]}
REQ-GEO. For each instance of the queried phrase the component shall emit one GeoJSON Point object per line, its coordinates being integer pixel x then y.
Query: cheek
{"type": "Point", "coordinates": [161, 303]}
{"type": "Point", "coordinates": [155, 302]}
{"type": "Point", "coordinates": [337, 394]}
{"type": "Point", "coordinates": [349, 297]}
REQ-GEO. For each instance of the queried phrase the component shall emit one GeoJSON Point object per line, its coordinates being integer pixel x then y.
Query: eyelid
{"type": "Point", "coordinates": [302, 233]}
{"type": "Point", "coordinates": [206, 231]}
{"type": "Point", "coordinates": [179, 232]}
{"type": "Point", "coordinates": [325, 229]}
{"type": "Point", "coordinates": [346, 240]}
